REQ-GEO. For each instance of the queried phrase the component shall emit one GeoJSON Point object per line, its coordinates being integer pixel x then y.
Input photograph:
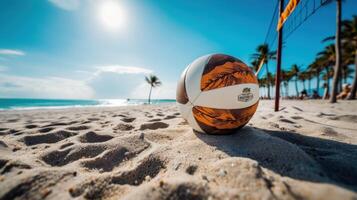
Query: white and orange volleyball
{"type": "Point", "coordinates": [217, 94]}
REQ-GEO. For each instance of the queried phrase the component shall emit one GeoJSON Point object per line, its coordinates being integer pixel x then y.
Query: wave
{"type": "Point", "coordinates": [34, 104]}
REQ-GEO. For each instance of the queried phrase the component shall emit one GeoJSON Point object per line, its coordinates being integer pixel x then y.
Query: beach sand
{"type": "Point", "coordinates": [306, 151]}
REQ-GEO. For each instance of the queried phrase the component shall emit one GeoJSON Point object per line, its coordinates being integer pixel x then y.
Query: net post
{"type": "Point", "coordinates": [278, 60]}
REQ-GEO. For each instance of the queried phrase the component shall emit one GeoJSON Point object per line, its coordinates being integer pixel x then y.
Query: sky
{"type": "Point", "coordinates": [103, 49]}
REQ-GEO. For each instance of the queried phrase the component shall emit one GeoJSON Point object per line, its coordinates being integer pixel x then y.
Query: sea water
{"type": "Point", "coordinates": [28, 104]}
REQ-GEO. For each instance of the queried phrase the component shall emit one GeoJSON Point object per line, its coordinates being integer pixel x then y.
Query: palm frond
{"type": "Point", "coordinates": [329, 38]}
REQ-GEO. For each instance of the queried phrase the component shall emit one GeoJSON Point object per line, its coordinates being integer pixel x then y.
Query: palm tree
{"type": "Point", "coordinates": [285, 78]}
{"type": "Point", "coordinates": [295, 73]}
{"type": "Point", "coordinates": [255, 65]}
{"type": "Point", "coordinates": [271, 80]}
{"type": "Point", "coordinates": [263, 53]}
{"type": "Point", "coordinates": [349, 33]}
{"type": "Point", "coordinates": [315, 68]}
{"type": "Point", "coordinates": [327, 57]}
{"type": "Point", "coordinates": [154, 82]}
{"type": "Point", "coordinates": [348, 36]}
{"type": "Point", "coordinates": [262, 82]}
{"type": "Point", "coordinates": [337, 70]}
{"type": "Point", "coordinates": [327, 76]}
{"type": "Point", "coordinates": [302, 77]}
{"type": "Point", "coordinates": [309, 76]}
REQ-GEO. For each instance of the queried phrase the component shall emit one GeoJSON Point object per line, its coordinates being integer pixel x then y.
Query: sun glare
{"type": "Point", "coordinates": [111, 15]}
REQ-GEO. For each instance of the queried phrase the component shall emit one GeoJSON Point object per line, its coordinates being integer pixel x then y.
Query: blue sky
{"type": "Point", "coordinates": [64, 49]}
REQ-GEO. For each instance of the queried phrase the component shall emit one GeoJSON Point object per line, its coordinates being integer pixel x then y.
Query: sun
{"type": "Point", "coordinates": [111, 15]}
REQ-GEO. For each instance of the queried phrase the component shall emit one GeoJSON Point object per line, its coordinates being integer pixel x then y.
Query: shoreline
{"type": "Point", "coordinates": [49, 108]}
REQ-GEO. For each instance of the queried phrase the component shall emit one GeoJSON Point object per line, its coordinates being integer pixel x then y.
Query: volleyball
{"type": "Point", "coordinates": [217, 94]}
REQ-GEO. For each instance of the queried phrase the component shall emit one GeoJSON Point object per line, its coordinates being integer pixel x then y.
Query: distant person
{"type": "Point", "coordinates": [315, 95]}
{"type": "Point", "coordinates": [303, 95]}
{"type": "Point", "coordinates": [346, 89]}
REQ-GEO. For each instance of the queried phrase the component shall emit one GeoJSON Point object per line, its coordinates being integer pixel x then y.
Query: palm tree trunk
{"type": "Point", "coordinates": [340, 82]}
{"type": "Point", "coordinates": [354, 84]}
{"type": "Point", "coordinates": [318, 83]}
{"type": "Point", "coordinates": [149, 95]}
{"type": "Point", "coordinates": [336, 75]}
{"type": "Point", "coordinates": [326, 92]}
{"type": "Point", "coordinates": [296, 86]}
{"type": "Point", "coordinates": [268, 84]}
{"type": "Point", "coordinates": [327, 89]}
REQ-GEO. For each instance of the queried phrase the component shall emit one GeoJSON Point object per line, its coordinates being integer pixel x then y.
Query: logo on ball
{"type": "Point", "coordinates": [207, 94]}
{"type": "Point", "coordinates": [246, 95]}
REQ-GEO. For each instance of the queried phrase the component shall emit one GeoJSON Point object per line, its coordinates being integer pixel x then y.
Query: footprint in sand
{"type": "Point", "coordinates": [128, 119]}
{"type": "Point", "coordinates": [93, 119]}
{"type": "Point", "coordinates": [57, 124]}
{"type": "Point", "coordinates": [286, 121]}
{"type": "Point", "coordinates": [71, 154]}
{"type": "Point", "coordinates": [327, 131]}
{"type": "Point", "coordinates": [297, 108]}
{"type": "Point", "coordinates": [93, 137]}
{"type": "Point", "coordinates": [296, 117]}
{"type": "Point", "coordinates": [47, 138]}
{"type": "Point", "coordinates": [160, 114]}
{"type": "Point", "coordinates": [8, 165]}
{"type": "Point", "coordinates": [115, 156]}
{"type": "Point", "coordinates": [45, 130]}
{"type": "Point", "coordinates": [183, 122]}
{"type": "Point", "coordinates": [12, 120]}
{"type": "Point", "coordinates": [273, 125]}
{"type": "Point", "coordinates": [37, 185]}
{"type": "Point", "coordinates": [191, 169]}
{"type": "Point", "coordinates": [346, 118]}
{"type": "Point", "coordinates": [63, 146]}
{"type": "Point", "coordinates": [170, 117]}
{"type": "Point", "coordinates": [149, 167]}
{"type": "Point", "coordinates": [10, 131]}
{"type": "Point", "coordinates": [3, 145]}
{"type": "Point", "coordinates": [124, 127]}
{"type": "Point", "coordinates": [321, 114]}
{"type": "Point", "coordinates": [3, 129]}
{"type": "Point", "coordinates": [154, 120]}
{"type": "Point", "coordinates": [109, 160]}
{"type": "Point", "coordinates": [78, 128]}
{"type": "Point", "coordinates": [31, 126]}
{"type": "Point", "coordinates": [153, 126]}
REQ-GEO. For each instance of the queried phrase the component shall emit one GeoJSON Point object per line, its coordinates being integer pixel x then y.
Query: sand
{"type": "Point", "coordinates": [306, 151]}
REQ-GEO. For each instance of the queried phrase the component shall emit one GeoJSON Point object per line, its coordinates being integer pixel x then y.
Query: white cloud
{"type": "Point", "coordinates": [12, 52]}
{"type": "Point", "coordinates": [111, 81]}
{"type": "Point", "coordinates": [48, 87]}
{"type": "Point", "coordinates": [119, 69]}
{"type": "Point", "coordinates": [66, 4]}
{"type": "Point", "coordinates": [166, 91]}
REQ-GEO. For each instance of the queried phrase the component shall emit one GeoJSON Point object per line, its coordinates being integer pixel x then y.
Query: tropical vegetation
{"type": "Point", "coordinates": [334, 66]}
{"type": "Point", "coordinates": [153, 81]}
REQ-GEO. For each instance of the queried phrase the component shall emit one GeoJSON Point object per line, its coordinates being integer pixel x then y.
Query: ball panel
{"type": "Point", "coordinates": [193, 77]}
{"type": "Point", "coordinates": [193, 122]}
{"type": "Point", "coordinates": [181, 94]}
{"type": "Point", "coordinates": [222, 71]}
{"type": "Point", "coordinates": [216, 60]}
{"type": "Point", "coordinates": [220, 121]}
{"type": "Point", "coordinates": [231, 97]}
{"type": "Point", "coordinates": [185, 109]}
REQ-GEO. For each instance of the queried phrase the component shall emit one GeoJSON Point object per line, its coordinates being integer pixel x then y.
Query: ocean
{"type": "Point", "coordinates": [28, 104]}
